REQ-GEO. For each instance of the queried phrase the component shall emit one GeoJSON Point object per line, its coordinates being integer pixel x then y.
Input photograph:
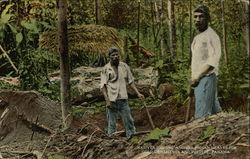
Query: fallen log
{"type": "Point", "coordinates": [88, 80]}
{"type": "Point", "coordinates": [96, 95]}
{"type": "Point", "coordinates": [89, 97]}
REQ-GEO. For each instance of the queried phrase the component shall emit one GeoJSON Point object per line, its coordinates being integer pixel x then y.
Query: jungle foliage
{"type": "Point", "coordinates": [22, 22]}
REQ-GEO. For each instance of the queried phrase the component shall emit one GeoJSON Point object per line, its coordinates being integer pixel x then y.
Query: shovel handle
{"type": "Point", "coordinates": [188, 109]}
{"type": "Point", "coordinates": [191, 94]}
{"type": "Point", "coordinates": [149, 116]}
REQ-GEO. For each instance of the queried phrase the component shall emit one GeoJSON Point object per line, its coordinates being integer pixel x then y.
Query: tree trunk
{"type": "Point", "coordinates": [157, 15]}
{"type": "Point", "coordinates": [247, 6]}
{"type": "Point", "coordinates": [97, 12]}
{"type": "Point", "coordinates": [153, 20]}
{"type": "Point", "coordinates": [64, 59]}
{"type": "Point", "coordinates": [190, 30]}
{"type": "Point", "coordinates": [182, 26]}
{"type": "Point", "coordinates": [172, 28]}
{"type": "Point", "coordinates": [224, 33]}
{"type": "Point", "coordinates": [127, 59]}
{"type": "Point", "coordinates": [163, 47]}
{"type": "Point", "coordinates": [138, 32]}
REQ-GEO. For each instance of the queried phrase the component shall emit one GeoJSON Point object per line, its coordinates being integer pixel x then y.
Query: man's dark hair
{"type": "Point", "coordinates": [113, 49]}
{"type": "Point", "coordinates": [203, 9]}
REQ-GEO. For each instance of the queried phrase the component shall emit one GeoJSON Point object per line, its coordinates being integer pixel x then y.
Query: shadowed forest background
{"type": "Point", "coordinates": [165, 32]}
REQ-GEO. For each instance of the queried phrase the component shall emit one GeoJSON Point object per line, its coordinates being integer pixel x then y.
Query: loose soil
{"type": "Point", "coordinates": [86, 138]}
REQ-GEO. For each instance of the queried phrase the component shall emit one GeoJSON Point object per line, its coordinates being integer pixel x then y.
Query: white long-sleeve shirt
{"type": "Point", "coordinates": [116, 86]}
{"type": "Point", "coordinates": [206, 49]}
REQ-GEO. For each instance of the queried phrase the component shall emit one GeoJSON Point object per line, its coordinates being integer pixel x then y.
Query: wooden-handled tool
{"type": "Point", "coordinates": [191, 95]}
{"type": "Point", "coordinates": [149, 116]}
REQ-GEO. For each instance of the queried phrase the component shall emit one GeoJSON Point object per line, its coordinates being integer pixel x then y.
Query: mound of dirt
{"type": "Point", "coordinates": [163, 116]}
{"type": "Point", "coordinates": [229, 139]}
{"type": "Point", "coordinates": [86, 138]}
{"type": "Point", "coordinates": [24, 113]}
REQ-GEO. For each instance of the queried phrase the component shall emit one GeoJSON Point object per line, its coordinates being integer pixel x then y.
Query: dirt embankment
{"type": "Point", "coordinates": [86, 138]}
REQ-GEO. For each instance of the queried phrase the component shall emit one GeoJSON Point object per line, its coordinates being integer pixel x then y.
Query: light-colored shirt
{"type": "Point", "coordinates": [116, 86]}
{"type": "Point", "coordinates": [206, 49]}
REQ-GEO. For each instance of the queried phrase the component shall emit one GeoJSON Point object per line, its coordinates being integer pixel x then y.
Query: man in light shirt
{"type": "Point", "coordinates": [115, 77]}
{"type": "Point", "coordinates": [206, 52]}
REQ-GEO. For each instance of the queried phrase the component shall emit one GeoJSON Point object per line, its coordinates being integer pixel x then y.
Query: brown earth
{"type": "Point", "coordinates": [86, 138]}
{"type": "Point", "coordinates": [163, 116]}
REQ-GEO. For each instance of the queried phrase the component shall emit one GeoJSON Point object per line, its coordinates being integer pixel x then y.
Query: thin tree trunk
{"type": "Point", "coordinates": [224, 33]}
{"type": "Point", "coordinates": [182, 31]}
{"type": "Point", "coordinates": [138, 32]}
{"type": "Point", "coordinates": [152, 19]}
{"type": "Point", "coordinates": [127, 59]}
{"type": "Point", "coordinates": [157, 14]}
{"type": "Point", "coordinates": [64, 60]}
{"type": "Point", "coordinates": [97, 11]}
{"type": "Point", "coordinates": [190, 31]}
{"type": "Point", "coordinates": [247, 6]}
{"type": "Point", "coordinates": [172, 28]}
{"type": "Point", "coordinates": [163, 48]}
{"type": "Point", "coordinates": [9, 59]}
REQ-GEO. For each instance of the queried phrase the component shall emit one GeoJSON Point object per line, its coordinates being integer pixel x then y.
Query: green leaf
{"type": "Point", "coordinates": [207, 133]}
{"type": "Point", "coordinates": [159, 64]}
{"type": "Point", "coordinates": [19, 38]}
{"type": "Point", "coordinates": [12, 28]}
{"type": "Point", "coordinates": [246, 85]}
{"type": "Point", "coordinates": [6, 10]}
{"type": "Point", "coordinates": [5, 19]}
{"type": "Point", "coordinates": [30, 26]}
{"type": "Point", "coordinates": [134, 140]}
{"type": "Point", "coordinates": [77, 111]}
{"type": "Point", "coordinates": [47, 26]}
{"type": "Point", "coordinates": [156, 134]}
{"type": "Point", "coordinates": [57, 157]}
{"type": "Point", "coordinates": [47, 91]}
{"type": "Point", "coordinates": [89, 95]}
{"type": "Point", "coordinates": [99, 104]}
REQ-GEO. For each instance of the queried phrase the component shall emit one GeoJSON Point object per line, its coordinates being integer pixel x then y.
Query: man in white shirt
{"type": "Point", "coordinates": [206, 52]}
{"type": "Point", "coordinates": [115, 77]}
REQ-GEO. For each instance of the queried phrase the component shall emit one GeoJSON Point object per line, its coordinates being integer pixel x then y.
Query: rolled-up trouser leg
{"type": "Point", "coordinates": [126, 117]}
{"type": "Point", "coordinates": [206, 101]}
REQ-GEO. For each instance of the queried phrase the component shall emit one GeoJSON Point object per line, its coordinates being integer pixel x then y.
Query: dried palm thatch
{"type": "Point", "coordinates": [94, 39]}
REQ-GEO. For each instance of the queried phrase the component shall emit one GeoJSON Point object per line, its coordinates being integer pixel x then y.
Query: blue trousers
{"type": "Point", "coordinates": [120, 106]}
{"type": "Point", "coordinates": [206, 100]}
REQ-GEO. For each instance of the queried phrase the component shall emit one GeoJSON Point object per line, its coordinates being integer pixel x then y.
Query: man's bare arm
{"type": "Point", "coordinates": [105, 94]}
{"type": "Point", "coordinates": [132, 85]}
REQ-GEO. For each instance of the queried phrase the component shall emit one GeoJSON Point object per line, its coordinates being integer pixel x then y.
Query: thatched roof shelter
{"type": "Point", "coordinates": [94, 39]}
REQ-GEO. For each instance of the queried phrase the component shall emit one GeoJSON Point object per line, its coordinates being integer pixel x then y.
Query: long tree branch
{"type": "Point", "coordinates": [9, 59]}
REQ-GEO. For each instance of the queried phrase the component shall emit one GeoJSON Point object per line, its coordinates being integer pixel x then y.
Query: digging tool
{"type": "Point", "coordinates": [191, 96]}
{"type": "Point", "coordinates": [149, 116]}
